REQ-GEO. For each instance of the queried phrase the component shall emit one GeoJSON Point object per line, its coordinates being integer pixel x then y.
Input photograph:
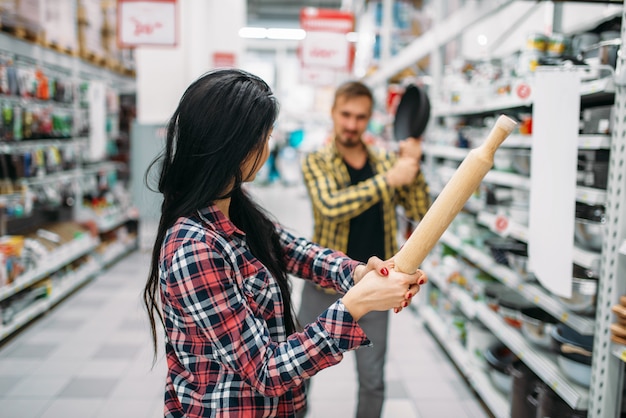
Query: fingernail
{"type": "Point", "coordinates": [409, 295]}
{"type": "Point", "coordinates": [405, 304]}
{"type": "Point", "coordinates": [421, 282]}
{"type": "Point", "coordinates": [384, 271]}
{"type": "Point", "coordinates": [395, 310]}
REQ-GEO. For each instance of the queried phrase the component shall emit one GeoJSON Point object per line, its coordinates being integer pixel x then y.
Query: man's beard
{"type": "Point", "coordinates": [350, 141]}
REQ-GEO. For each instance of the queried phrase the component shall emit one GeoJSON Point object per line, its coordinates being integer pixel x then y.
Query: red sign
{"type": "Point", "coordinates": [326, 44]}
{"type": "Point", "coordinates": [224, 60]}
{"type": "Point", "coordinates": [146, 23]}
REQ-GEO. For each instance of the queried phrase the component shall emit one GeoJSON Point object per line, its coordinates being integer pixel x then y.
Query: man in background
{"type": "Point", "coordinates": [355, 189]}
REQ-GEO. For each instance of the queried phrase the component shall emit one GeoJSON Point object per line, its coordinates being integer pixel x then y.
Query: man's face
{"type": "Point", "coordinates": [350, 119]}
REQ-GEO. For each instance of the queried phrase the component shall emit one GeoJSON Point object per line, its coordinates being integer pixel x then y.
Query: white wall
{"type": "Point", "coordinates": [163, 74]}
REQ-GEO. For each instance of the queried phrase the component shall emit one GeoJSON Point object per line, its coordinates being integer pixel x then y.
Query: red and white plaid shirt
{"type": "Point", "coordinates": [227, 351]}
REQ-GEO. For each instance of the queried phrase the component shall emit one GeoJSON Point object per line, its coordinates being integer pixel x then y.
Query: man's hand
{"type": "Point", "coordinates": [403, 172]}
{"type": "Point", "coordinates": [411, 147]}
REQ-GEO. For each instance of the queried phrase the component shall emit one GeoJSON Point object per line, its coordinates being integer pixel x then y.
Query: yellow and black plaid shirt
{"type": "Point", "coordinates": [335, 201]}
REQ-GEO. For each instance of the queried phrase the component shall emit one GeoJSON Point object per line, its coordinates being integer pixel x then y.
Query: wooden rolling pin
{"type": "Point", "coordinates": [452, 198]}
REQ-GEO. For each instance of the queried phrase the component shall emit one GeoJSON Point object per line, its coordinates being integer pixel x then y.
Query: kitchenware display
{"type": "Point", "coordinates": [526, 392]}
{"type": "Point", "coordinates": [590, 224]}
{"type": "Point", "coordinates": [584, 291]}
{"type": "Point", "coordinates": [521, 161]}
{"type": "Point", "coordinates": [412, 114]}
{"type": "Point", "coordinates": [478, 339]}
{"type": "Point", "coordinates": [552, 405]}
{"type": "Point", "coordinates": [465, 180]}
{"type": "Point", "coordinates": [537, 325]}
{"type": "Point", "coordinates": [574, 353]}
{"type": "Point", "coordinates": [593, 168]}
{"type": "Point", "coordinates": [503, 160]}
{"type": "Point", "coordinates": [597, 120]}
{"type": "Point", "coordinates": [511, 303]}
{"type": "Point", "coordinates": [500, 246]}
{"type": "Point", "coordinates": [500, 360]}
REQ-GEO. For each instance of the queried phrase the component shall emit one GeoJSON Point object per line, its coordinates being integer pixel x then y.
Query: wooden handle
{"type": "Point", "coordinates": [572, 349]}
{"type": "Point", "coordinates": [452, 198]}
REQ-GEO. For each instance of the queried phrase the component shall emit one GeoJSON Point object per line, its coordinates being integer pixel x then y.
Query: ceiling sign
{"type": "Point", "coordinates": [326, 44]}
{"type": "Point", "coordinates": [146, 23]}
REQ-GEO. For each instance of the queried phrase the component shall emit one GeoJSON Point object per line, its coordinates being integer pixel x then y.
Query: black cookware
{"type": "Point", "coordinates": [412, 114]}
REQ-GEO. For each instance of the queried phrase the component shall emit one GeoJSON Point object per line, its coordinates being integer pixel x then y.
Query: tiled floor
{"type": "Point", "coordinates": [91, 356]}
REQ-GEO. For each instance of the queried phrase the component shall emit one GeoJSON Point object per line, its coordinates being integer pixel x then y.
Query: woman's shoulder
{"type": "Point", "coordinates": [191, 231]}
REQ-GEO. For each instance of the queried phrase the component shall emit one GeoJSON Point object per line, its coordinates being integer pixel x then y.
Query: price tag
{"type": "Point", "coordinates": [536, 299]}
{"type": "Point", "coordinates": [564, 317]}
{"type": "Point", "coordinates": [523, 91]}
{"type": "Point", "coordinates": [623, 355]}
{"type": "Point", "coordinates": [501, 225]}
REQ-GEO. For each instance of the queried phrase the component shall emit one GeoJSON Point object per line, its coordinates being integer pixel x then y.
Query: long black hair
{"type": "Point", "coordinates": [222, 118]}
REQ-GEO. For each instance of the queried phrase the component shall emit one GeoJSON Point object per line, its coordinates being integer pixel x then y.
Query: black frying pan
{"type": "Point", "coordinates": [412, 114]}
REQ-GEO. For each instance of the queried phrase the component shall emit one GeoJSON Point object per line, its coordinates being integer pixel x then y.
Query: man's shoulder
{"type": "Point", "coordinates": [324, 152]}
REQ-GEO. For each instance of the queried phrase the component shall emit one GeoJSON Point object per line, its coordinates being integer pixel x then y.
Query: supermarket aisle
{"type": "Point", "coordinates": [91, 356]}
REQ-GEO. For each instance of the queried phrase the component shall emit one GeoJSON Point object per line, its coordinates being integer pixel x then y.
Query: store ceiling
{"type": "Point", "coordinates": [283, 12]}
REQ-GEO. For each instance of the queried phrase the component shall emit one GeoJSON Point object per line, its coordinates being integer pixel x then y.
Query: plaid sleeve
{"type": "Point", "coordinates": [335, 202]}
{"type": "Point", "coordinates": [202, 288]}
{"type": "Point", "coordinates": [308, 260]}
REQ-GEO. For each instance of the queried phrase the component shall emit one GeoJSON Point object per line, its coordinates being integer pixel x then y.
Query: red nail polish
{"type": "Point", "coordinates": [405, 304]}
{"type": "Point", "coordinates": [421, 282]}
{"type": "Point", "coordinates": [410, 296]}
{"type": "Point", "coordinates": [384, 271]}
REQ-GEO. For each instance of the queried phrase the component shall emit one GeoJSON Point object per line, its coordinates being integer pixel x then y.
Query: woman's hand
{"type": "Point", "coordinates": [373, 264]}
{"type": "Point", "coordinates": [375, 292]}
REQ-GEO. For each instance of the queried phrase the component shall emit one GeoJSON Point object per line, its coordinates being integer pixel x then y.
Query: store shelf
{"type": "Point", "coordinates": [53, 177]}
{"type": "Point", "coordinates": [507, 179]}
{"type": "Point", "coordinates": [24, 146]}
{"type": "Point", "coordinates": [51, 263]}
{"type": "Point", "coordinates": [516, 141]}
{"type": "Point", "coordinates": [619, 351]}
{"type": "Point", "coordinates": [443, 151]}
{"type": "Point", "coordinates": [587, 141]}
{"type": "Point", "coordinates": [73, 281]}
{"type": "Point", "coordinates": [588, 259]}
{"type": "Point", "coordinates": [497, 403]}
{"type": "Point", "coordinates": [494, 177]}
{"type": "Point", "coordinates": [493, 105]}
{"type": "Point", "coordinates": [542, 363]}
{"type": "Point", "coordinates": [591, 196]}
{"type": "Point", "coordinates": [106, 219]}
{"type": "Point", "coordinates": [598, 92]}
{"type": "Point", "coordinates": [532, 292]}
{"type": "Point", "coordinates": [462, 300]}
{"type": "Point", "coordinates": [503, 226]}
{"type": "Point", "coordinates": [24, 317]}
{"type": "Point", "coordinates": [117, 250]}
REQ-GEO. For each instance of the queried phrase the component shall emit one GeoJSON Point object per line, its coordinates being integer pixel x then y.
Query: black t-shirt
{"type": "Point", "coordinates": [367, 234]}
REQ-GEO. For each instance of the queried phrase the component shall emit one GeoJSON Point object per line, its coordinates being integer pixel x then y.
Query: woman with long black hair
{"type": "Point", "coordinates": [218, 280]}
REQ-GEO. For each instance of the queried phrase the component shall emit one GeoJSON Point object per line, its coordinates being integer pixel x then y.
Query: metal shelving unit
{"type": "Point", "coordinates": [603, 399]}
{"type": "Point", "coordinates": [49, 268]}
